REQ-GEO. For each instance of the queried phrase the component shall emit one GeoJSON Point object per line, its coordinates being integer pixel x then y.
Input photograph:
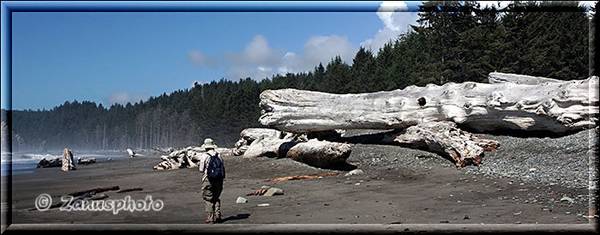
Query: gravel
{"type": "Point", "coordinates": [548, 161]}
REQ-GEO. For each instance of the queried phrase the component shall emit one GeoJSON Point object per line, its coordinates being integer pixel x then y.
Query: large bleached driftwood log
{"type": "Point", "coordinates": [267, 147]}
{"type": "Point", "coordinates": [496, 77]}
{"type": "Point", "coordinates": [553, 107]}
{"type": "Point", "coordinates": [249, 135]}
{"type": "Point", "coordinates": [445, 139]}
{"type": "Point", "coordinates": [323, 154]}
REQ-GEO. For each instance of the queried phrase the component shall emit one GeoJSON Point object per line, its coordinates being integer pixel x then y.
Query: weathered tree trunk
{"type": "Point", "coordinates": [496, 77]}
{"type": "Point", "coordinates": [445, 139]}
{"type": "Point", "coordinates": [268, 147]}
{"type": "Point", "coordinates": [67, 161]}
{"type": "Point", "coordinates": [249, 135]}
{"type": "Point", "coordinates": [553, 107]}
{"type": "Point", "coordinates": [323, 154]}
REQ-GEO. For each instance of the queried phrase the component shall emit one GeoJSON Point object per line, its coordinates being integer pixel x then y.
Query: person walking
{"type": "Point", "coordinates": [211, 164]}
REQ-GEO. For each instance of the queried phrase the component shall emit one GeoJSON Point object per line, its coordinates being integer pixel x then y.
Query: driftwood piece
{"type": "Point", "coordinates": [67, 161]}
{"type": "Point", "coordinates": [44, 163]}
{"type": "Point", "coordinates": [445, 139]}
{"type": "Point", "coordinates": [276, 144]}
{"type": "Point", "coordinates": [129, 190]}
{"type": "Point", "coordinates": [186, 158]}
{"type": "Point", "coordinates": [249, 135]}
{"type": "Point", "coordinates": [183, 158]}
{"type": "Point", "coordinates": [268, 147]}
{"type": "Point", "coordinates": [496, 77]}
{"type": "Point", "coordinates": [252, 134]}
{"type": "Point", "coordinates": [552, 107]}
{"type": "Point", "coordinates": [93, 191]}
{"type": "Point", "coordinates": [301, 177]}
{"type": "Point", "coordinates": [86, 160]}
{"type": "Point", "coordinates": [322, 154]}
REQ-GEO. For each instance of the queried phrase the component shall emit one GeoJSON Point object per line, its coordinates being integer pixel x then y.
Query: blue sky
{"type": "Point", "coordinates": [120, 57]}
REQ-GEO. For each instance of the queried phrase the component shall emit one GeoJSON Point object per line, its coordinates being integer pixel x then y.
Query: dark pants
{"type": "Point", "coordinates": [211, 191]}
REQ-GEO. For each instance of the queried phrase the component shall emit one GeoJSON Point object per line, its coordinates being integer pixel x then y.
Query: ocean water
{"type": "Point", "coordinates": [26, 162]}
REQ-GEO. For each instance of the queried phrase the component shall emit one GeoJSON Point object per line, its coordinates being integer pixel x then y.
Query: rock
{"type": "Point", "coordinates": [568, 199]}
{"type": "Point", "coordinates": [240, 200]}
{"type": "Point", "coordinates": [355, 172]}
{"type": "Point", "coordinates": [57, 162]}
{"type": "Point", "coordinates": [86, 161]}
{"type": "Point", "coordinates": [273, 191]}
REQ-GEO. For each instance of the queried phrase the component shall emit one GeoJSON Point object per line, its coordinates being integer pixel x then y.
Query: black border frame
{"type": "Point", "coordinates": [8, 7]}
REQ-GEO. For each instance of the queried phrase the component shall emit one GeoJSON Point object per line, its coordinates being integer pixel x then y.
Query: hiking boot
{"type": "Point", "coordinates": [210, 218]}
{"type": "Point", "coordinates": [218, 218]}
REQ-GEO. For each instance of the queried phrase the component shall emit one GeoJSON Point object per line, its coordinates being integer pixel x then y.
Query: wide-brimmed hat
{"type": "Point", "coordinates": [208, 144]}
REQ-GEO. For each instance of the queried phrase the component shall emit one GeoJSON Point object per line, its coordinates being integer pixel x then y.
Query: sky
{"type": "Point", "coordinates": [120, 57]}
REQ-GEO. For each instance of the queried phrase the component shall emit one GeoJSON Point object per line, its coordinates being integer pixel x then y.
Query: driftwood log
{"type": "Point", "coordinates": [264, 142]}
{"type": "Point", "coordinates": [443, 138]}
{"type": "Point", "coordinates": [67, 161]}
{"type": "Point", "coordinates": [93, 191]}
{"type": "Point", "coordinates": [185, 158]}
{"type": "Point", "coordinates": [496, 77]}
{"type": "Point", "coordinates": [249, 135]}
{"type": "Point", "coordinates": [44, 163]}
{"type": "Point", "coordinates": [322, 154]}
{"type": "Point", "coordinates": [553, 107]}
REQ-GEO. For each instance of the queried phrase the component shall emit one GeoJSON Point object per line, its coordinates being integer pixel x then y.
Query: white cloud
{"type": "Point", "coordinates": [259, 60]}
{"type": "Point", "coordinates": [395, 19]}
{"type": "Point", "coordinates": [386, 12]}
{"type": "Point", "coordinates": [124, 98]}
{"type": "Point", "coordinates": [202, 60]}
{"type": "Point", "coordinates": [321, 49]}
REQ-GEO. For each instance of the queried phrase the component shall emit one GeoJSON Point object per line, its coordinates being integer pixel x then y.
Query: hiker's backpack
{"type": "Point", "coordinates": [215, 169]}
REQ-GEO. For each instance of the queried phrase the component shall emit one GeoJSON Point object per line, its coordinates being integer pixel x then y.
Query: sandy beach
{"type": "Point", "coordinates": [399, 186]}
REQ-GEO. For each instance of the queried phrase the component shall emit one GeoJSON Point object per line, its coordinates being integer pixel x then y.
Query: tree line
{"type": "Point", "coordinates": [450, 42]}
